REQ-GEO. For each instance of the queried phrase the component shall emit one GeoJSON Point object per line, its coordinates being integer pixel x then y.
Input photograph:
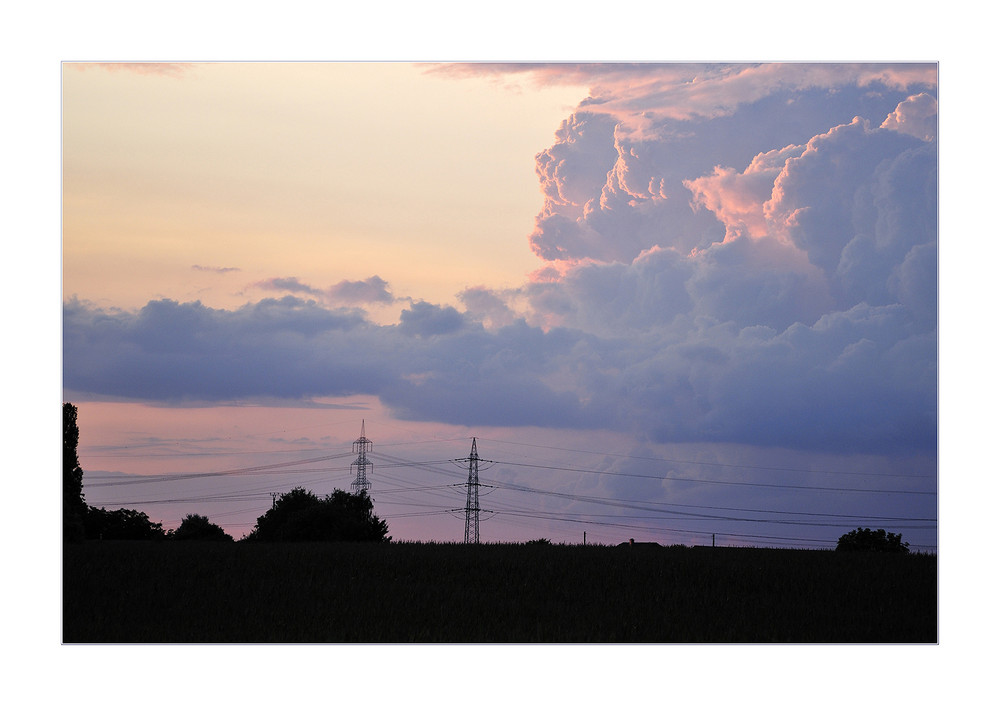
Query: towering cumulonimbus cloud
{"type": "Point", "coordinates": [838, 217]}
{"type": "Point", "coordinates": [773, 286]}
{"type": "Point", "coordinates": [612, 191]}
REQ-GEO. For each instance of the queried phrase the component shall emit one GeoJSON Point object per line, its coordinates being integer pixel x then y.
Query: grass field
{"type": "Point", "coordinates": [194, 592]}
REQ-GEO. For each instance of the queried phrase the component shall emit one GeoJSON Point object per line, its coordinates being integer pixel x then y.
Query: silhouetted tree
{"type": "Point", "coordinates": [868, 540]}
{"type": "Point", "coordinates": [121, 524]}
{"type": "Point", "coordinates": [299, 515]}
{"type": "Point", "coordinates": [198, 527]}
{"type": "Point", "coordinates": [74, 504]}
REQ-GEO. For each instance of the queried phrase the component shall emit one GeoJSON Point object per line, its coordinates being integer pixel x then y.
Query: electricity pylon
{"type": "Point", "coordinates": [472, 498]}
{"type": "Point", "coordinates": [362, 447]}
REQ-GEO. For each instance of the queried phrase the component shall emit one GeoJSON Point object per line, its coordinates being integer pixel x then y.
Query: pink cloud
{"type": "Point", "coordinates": [573, 170]}
{"type": "Point", "coordinates": [634, 176]}
{"type": "Point", "coordinates": [638, 95]}
{"type": "Point", "coordinates": [737, 198]}
{"type": "Point", "coordinates": [175, 70]}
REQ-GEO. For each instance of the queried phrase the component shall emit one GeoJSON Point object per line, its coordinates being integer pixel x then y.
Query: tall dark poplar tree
{"type": "Point", "coordinates": [74, 504]}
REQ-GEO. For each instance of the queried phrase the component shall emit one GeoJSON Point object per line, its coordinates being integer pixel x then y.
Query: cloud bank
{"type": "Point", "coordinates": [742, 254]}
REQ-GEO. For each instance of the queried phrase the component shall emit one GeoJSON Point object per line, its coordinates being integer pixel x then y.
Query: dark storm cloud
{"type": "Point", "coordinates": [854, 379]}
{"type": "Point", "coordinates": [750, 283]}
{"type": "Point", "coordinates": [506, 377]}
{"type": "Point", "coordinates": [172, 351]}
{"type": "Point", "coordinates": [434, 365]}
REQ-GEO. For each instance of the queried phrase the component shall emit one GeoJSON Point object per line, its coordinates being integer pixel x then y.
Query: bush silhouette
{"type": "Point", "coordinates": [868, 540]}
{"type": "Point", "coordinates": [199, 528]}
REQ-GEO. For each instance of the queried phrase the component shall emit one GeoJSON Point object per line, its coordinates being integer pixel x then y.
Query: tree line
{"type": "Point", "coordinates": [298, 515]}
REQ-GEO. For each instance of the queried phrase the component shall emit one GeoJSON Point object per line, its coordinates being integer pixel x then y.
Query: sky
{"type": "Point", "coordinates": [39, 283]}
{"type": "Point", "coordinates": [680, 303]}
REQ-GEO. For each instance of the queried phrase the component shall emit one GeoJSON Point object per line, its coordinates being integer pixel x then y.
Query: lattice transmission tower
{"type": "Point", "coordinates": [362, 447]}
{"type": "Point", "coordinates": [472, 498]}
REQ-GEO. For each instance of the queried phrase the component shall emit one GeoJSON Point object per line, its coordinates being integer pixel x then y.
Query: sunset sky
{"type": "Point", "coordinates": [650, 271]}
{"type": "Point", "coordinates": [669, 300]}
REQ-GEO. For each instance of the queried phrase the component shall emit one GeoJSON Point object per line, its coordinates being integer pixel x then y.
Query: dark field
{"type": "Point", "coordinates": [165, 592]}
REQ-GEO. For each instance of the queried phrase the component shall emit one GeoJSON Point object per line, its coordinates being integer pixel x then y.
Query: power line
{"type": "Point", "coordinates": [730, 509]}
{"type": "Point", "coordinates": [650, 506]}
{"type": "Point", "coordinates": [209, 474]}
{"type": "Point", "coordinates": [720, 482]}
{"type": "Point", "coordinates": [708, 463]}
